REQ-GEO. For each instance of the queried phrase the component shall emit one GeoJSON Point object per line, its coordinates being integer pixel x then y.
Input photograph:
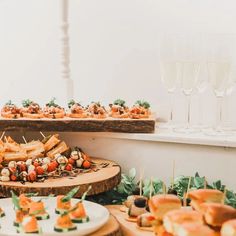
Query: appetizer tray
{"type": "Point", "coordinates": [98, 216]}
{"type": "Point", "coordinates": [66, 124]}
{"type": "Point", "coordinates": [102, 180]}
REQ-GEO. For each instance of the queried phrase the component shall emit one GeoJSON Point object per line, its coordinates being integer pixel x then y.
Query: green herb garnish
{"type": "Point", "coordinates": [27, 103]}
{"type": "Point", "coordinates": [15, 201]}
{"type": "Point", "coordinates": [52, 103]}
{"type": "Point", "coordinates": [119, 102]}
{"type": "Point", "coordinates": [85, 193]}
{"type": "Point", "coordinates": [9, 103]}
{"type": "Point", "coordinates": [71, 103]}
{"type": "Point", "coordinates": [69, 195]}
{"type": "Point", "coordinates": [143, 103]}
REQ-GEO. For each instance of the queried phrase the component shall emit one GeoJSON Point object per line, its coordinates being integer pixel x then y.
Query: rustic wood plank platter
{"type": "Point", "coordinates": [79, 125]}
{"type": "Point", "coordinates": [102, 180]}
{"type": "Point", "coordinates": [128, 228]}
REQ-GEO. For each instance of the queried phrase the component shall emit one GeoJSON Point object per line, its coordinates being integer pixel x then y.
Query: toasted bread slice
{"type": "Point", "coordinates": [60, 148]}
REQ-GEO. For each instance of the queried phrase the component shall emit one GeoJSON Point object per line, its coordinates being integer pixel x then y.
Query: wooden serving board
{"type": "Point", "coordinates": [128, 228]}
{"type": "Point", "coordinates": [111, 228]}
{"type": "Point", "coordinates": [102, 180]}
{"type": "Point", "coordinates": [125, 125]}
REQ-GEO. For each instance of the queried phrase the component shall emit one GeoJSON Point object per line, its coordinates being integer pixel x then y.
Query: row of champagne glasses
{"type": "Point", "coordinates": [181, 58]}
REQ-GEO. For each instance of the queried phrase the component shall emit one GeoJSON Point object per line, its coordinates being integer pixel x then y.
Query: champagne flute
{"type": "Point", "coordinates": [189, 56]}
{"type": "Point", "coordinates": [219, 65]}
{"type": "Point", "coordinates": [169, 70]}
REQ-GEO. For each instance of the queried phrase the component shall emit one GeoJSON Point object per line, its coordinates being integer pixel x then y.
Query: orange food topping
{"type": "Point", "coordinates": [64, 221]}
{"type": "Point", "coordinates": [36, 208]}
{"type": "Point", "coordinates": [24, 201]}
{"type": "Point", "coordinates": [63, 205]}
{"type": "Point", "coordinates": [79, 212]}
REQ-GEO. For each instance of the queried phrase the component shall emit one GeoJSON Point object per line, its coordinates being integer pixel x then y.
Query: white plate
{"type": "Point", "coordinates": [98, 215]}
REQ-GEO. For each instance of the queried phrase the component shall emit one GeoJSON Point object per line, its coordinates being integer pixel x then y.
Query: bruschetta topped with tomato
{"type": "Point", "coordinates": [53, 110]}
{"type": "Point", "coordinates": [118, 109]}
{"type": "Point", "coordinates": [96, 110]}
{"type": "Point", "coordinates": [76, 110]}
{"type": "Point", "coordinates": [140, 110]}
{"type": "Point", "coordinates": [11, 111]}
{"type": "Point", "coordinates": [31, 109]}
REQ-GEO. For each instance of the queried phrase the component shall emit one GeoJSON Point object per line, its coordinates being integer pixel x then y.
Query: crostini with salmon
{"type": "Point", "coordinates": [96, 110]}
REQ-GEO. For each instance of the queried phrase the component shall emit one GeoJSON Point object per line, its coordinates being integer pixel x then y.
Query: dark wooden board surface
{"type": "Point", "coordinates": [79, 125]}
{"type": "Point", "coordinates": [101, 181]}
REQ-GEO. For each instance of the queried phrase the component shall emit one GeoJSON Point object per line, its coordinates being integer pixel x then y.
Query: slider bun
{"type": "Point", "coordinates": [195, 229]}
{"type": "Point", "coordinates": [161, 204]}
{"type": "Point", "coordinates": [229, 228]}
{"type": "Point", "coordinates": [206, 195]}
{"type": "Point", "coordinates": [173, 219]}
{"type": "Point", "coordinates": [215, 214]}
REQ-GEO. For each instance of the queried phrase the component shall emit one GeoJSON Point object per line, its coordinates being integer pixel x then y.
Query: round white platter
{"type": "Point", "coordinates": [98, 215]}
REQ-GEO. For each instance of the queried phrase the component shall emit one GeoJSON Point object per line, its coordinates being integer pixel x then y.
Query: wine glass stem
{"type": "Point", "coordinates": [189, 110]}
{"type": "Point", "coordinates": [219, 114]}
{"type": "Point", "coordinates": [171, 107]}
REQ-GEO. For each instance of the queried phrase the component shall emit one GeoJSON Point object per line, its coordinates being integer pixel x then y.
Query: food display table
{"type": "Point", "coordinates": [101, 180]}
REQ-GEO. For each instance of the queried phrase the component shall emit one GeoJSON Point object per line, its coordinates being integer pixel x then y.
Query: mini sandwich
{"type": "Point", "coordinates": [215, 214]}
{"type": "Point", "coordinates": [161, 204]}
{"type": "Point", "coordinates": [204, 195]}
{"type": "Point", "coordinates": [173, 219]}
{"type": "Point", "coordinates": [229, 228]}
{"type": "Point", "coordinates": [194, 229]}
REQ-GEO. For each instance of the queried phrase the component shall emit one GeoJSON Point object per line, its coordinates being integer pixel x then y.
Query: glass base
{"type": "Point", "coordinates": [187, 130]}
{"type": "Point", "coordinates": [218, 132]}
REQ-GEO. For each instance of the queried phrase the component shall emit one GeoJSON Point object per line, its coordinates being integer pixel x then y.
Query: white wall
{"type": "Point", "coordinates": [114, 49]}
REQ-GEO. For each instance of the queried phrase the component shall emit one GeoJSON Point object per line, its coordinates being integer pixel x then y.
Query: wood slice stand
{"type": "Point", "coordinates": [102, 180]}
{"type": "Point", "coordinates": [111, 228]}
{"type": "Point", "coordinates": [79, 125]}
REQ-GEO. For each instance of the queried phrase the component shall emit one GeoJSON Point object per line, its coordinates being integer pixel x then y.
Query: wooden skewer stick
{"type": "Point", "coordinates": [42, 134]}
{"type": "Point", "coordinates": [141, 183]}
{"type": "Point", "coordinates": [189, 183]}
{"type": "Point", "coordinates": [3, 133]}
{"type": "Point", "coordinates": [5, 139]}
{"type": "Point", "coordinates": [24, 138]}
{"type": "Point", "coordinates": [224, 196]}
{"type": "Point", "coordinates": [205, 183]}
{"type": "Point", "coordinates": [151, 188]}
{"type": "Point", "coordinates": [164, 188]}
{"type": "Point", "coordinates": [173, 175]}
{"type": "Point", "coordinates": [185, 199]}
